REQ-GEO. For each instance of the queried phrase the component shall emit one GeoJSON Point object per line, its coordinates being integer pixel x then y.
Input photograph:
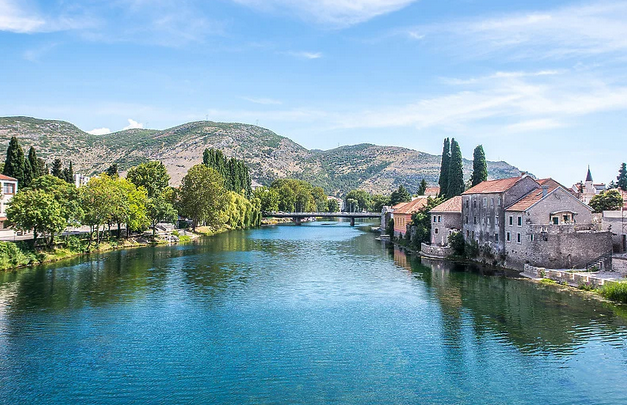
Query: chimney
{"type": "Point", "coordinates": [545, 191]}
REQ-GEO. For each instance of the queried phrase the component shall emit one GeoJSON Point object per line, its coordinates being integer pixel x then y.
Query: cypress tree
{"type": "Point", "coordinates": [423, 187]}
{"type": "Point", "coordinates": [57, 169]}
{"type": "Point", "coordinates": [112, 171]}
{"type": "Point", "coordinates": [444, 168]}
{"type": "Point", "coordinates": [70, 174]}
{"type": "Point", "coordinates": [14, 164]}
{"type": "Point", "coordinates": [479, 166]}
{"type": "Point", "coordinates": [622, 177]}
{"type": "Point", "coordinates": [456, 172]}
{"type": "Point", "coordinates": [34, 163]}
{"type": "Point", "coordinates": [28, 174]}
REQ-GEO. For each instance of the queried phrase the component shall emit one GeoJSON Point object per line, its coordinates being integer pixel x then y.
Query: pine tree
{"type": "Point", "coordinates": [444, 168]}
{"type": "Point", "coordinates": [479, 167]}
{"type": "Point", "coordinates": [34, 163]}
{"type": "Point", "coordinates": [456, 172]}
{"type": "Point", "coordinates": [423, 187]}
{"type": "Point", "coordinates": [112, 171]}
{"type": "Point", "coordinates": [14, 164]}
{"type": "Point", "coordinates": [622, 177]}
{"type": "Point", "coordinates": [57, 169]}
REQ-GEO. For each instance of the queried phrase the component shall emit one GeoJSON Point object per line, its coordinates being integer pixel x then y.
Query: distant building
{"type": "Point", "coordinates": [432, 191]}
{"type": "Point", "coordinates": [402, 213]}
{"type": "Point", "coordinates": [446, 219]}
{"type": "Point", "coordinates": [523, 221]}
{"type": "Point", "coordinates": [9, 188]}
{"type": "Point", "coordinates": [588, 189]}
{"type": "Point", "coordinates": [80, 180]}
{"type": "Point", "coordinates": [254, 185]}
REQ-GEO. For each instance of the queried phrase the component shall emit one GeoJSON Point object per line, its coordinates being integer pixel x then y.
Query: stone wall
{"type": "Point", "coordinates": [564, 277]}
{"type": "Point", "coordinates": [619, 264]}
{"type": "Point", "coordinates": [442, 224]}
{"type": "Point", "coordinates": [561, 248]}
{"type": "Point", "coordinates": [435, 251]}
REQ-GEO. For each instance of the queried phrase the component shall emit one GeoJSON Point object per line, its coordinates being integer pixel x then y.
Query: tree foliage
{"type": "Point", "coordinates": [622, 177]}
{"type": "Point", "coordinates": [444, 167]}
{"type": "Point", "coordinates": [421, 222]}
{"type": "Point", "coordinates": [399, 196]}
{"type": "Point", "coordinates": [39, 211]}
{"type": "Point", "coordinates": [358, 200]}
{"type": "Point", "coordinates": [298, 196]}
{"type": "Point", "coordinates": [422, 189]}
{"type": "Point", "coordinates": [379, 201]}
{"type": "Point", "coordinates": [234, 171]}
{"type": "Point", "coordinates": [333, 205]}
{"type": "Point", "coordinates": [479, 167]}
{"type": "Point", "coordinates": [15, 163]}
{"type": "Point", "coordinates": [456, 172]}
{"type": "Point", "coordinates": [607, 201]}
{"type": "Point", "coordinates": [152, 176]}
{"type": "Point", "coordinates": [201, 196]}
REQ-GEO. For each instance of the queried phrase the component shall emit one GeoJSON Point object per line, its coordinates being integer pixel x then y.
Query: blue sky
{"type": "Point", "coordinates": [541, 84]}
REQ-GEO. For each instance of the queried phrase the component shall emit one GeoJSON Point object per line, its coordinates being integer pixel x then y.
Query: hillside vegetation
{"type": "Point", "coordinates": [379, 169]}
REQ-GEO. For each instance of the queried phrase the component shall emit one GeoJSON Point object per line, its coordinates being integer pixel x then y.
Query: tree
{"type": "Point", "coordinates": [456, 172]}
{"type": "Point", "coordinates": [36, 210]}
{"type": "Point", "coordinates": [333, 205]}
{"type": "Point", "coordinates": [28, 174]}
{"type": "Point", "coordinates": [379, 201]}
{"type": "Point", "coordinates": [268, 199]}
{"type": "Point", "coordinates": [35, 165]}
{"type": "Point", "coordinates": [622, 177]}
{"type": "Point", "coordinates": [153, 176]}
{"type": "Point", "coordinates": [422, 189]}
{"type": "Point", "coordinates": [479, 167]}
{"type": "Point", "coordinates": [234, 171]}
{"type": "Point", "coordinates": [363, 200]}
{"type": "Point", "coordinates": [98, 197]}
{"type": "Point", "coordinates": [14, 165]}
{"type": "Point", "coordinates": [57, 169]}
{"type": "Point", "coordinates": [201, 196]}
{"type": "Point", "coordinates": [287, 198]}
{"type": "Point", "coordinates": [607, 201]}
{"type": "Point", "coordinates": [112, 170]}
{"type": "Point", "coordinates": [68, 174]}
{"type": "Point", "coordinates": [159, 209]}
{"type": "Point", "coordinates": [444, 167]}
{"type": "Point", "coordinates": [65, 194]}
{"type": "Point", "coordinates": [399, 196]}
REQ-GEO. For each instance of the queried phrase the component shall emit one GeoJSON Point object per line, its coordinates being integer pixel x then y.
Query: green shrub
{"type": "Point", "coordinates": [615, 292]}
{"type": "Point", "coordinates": [12, 255]}
{"type": "Point", "coordinates": [548, 281]}
{"type": "Point", "coordinates": [586, 286]}
{"type": "Point", "coordinates": [184, 239]}
{"type": "Point", "coordinates": [75, 244]}
{"type": "Point", "coordinates": [456, 240]}
{"type": "Point", "coordinates": [175, 233]}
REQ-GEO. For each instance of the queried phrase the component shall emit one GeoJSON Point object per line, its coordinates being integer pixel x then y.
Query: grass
{"type": "Point", "coordinates": [548, 281]}
{"type": "Point", "coordinates": [615, 291]}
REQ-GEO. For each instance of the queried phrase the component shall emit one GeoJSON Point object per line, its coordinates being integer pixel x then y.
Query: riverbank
{"type": "Point", "coordinates": [16, 255]}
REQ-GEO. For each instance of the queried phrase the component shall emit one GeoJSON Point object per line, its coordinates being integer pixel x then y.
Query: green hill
{"type": "Point", "coordinates": [270, 156]}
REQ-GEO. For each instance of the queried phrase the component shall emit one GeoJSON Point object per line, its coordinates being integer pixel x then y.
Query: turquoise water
{"type": "Point", "coordinates": [310, 314]}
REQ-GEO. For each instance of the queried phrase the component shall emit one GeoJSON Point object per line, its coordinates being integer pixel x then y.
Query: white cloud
{"type": "Point", "coordinates": [305, 55]}
{"type": "Point", "coordinates": [132, 124]}
{"type": "Point", "coordinates": [339, 13]}
{"type": "Point", "coordinates": [563, 32]}
{"type": "Point", "coordinates": [262, 101]}
{"type": "Point", "coordinates": [24, 20]}
{"type": "Point", "coordinates": [99, 131]}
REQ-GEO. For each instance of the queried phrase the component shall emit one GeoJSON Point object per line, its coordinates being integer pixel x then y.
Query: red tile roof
{"type": "Point", "coordinates": [399, 205]}
{"type": "Point", "coordinates": [493, 186]}
{"type": "Point", "coordinates": [412, 206]}
{"type": "Point", "coordinates": [534, 196]}
{"type": "Point", "coordinates": [432, 191]}
{"type": "Point", "coordinates": [452, 205]}
{"type": "Point", "coordinates": [3, 177]}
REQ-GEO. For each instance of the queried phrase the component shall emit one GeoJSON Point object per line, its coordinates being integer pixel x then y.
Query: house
{"type": "Point", "coordinates": [402, 213]}
{"type": "Point", "coordinates": [522, 221]}
{"type": "Point", "coordinates": [446, 219]}
{"type": "Point", "coordinates": [588, 189]}
{"type": "Point", "coordinates": [9, 188]}
{"type": "Point", "coordinates": [80, 180]}
{"type": "Point", "coordinates": [432, 191]}
{"type": "Point", "coordinates": [616, 223]}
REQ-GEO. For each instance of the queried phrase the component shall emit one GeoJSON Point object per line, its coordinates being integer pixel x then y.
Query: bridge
{"type": "Point", "coordinates": [298, 216]}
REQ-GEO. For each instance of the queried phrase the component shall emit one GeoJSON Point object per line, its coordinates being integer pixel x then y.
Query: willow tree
{"type": "Point", "coordinates": [201, 196]}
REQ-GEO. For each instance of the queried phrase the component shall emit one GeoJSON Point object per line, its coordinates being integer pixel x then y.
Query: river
{"type": "Point", "coordinates": [319, 313]}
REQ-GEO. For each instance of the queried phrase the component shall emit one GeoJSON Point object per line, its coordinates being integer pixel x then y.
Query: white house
{"type": "Point", "coordinates": [9, 188]}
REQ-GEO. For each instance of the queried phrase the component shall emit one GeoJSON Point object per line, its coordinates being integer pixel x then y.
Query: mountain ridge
{"type": "Point", "coordinates": [375, 168]}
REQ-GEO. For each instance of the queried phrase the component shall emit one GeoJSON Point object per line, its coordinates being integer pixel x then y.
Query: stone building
{"type": "Point", "coordinates": [446, 219]}
{"type": "Point", "coordinates": [615, 222]}
{"type": "Point", "coordinates": [523, 221]}
{"type": "Point", "coordinates": [9, 188]}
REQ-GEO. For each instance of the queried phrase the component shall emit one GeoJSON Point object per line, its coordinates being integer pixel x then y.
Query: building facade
{"type": "Point", "coordinates": [586, 190]}
{"type": "Point", "coordinates": [402, 214]}
{"type": "Point", "coordinates": [446, 219]}
{"type": "Point", "coordinates": [9, 188]}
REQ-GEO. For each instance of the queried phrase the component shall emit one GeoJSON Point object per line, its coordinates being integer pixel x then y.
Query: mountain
{"type": "Point", "coordinates": [374, 168]}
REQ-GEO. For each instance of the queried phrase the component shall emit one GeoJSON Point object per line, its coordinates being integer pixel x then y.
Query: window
{"type": "Point", "coordinates": [8, 188]}
{"type": "Point", "coordinates": [508, 237]}
{"type": "Point", "coordinates": [473, 234]}
{"type": "Point", "coordinates": [488, 220]}
{"type": "Point", "coordinates": [566, 218]}
{"type": "Point", "coordinates": [485, 202]}
{"type": "Point", "coordinates": [474, 204]}
{"type": "Point", "coordinates": [518, 238]}
{"type": "Point", "coordinates": [531, 238]}
{"type": "Point", "coordinates": [475, 220]}
{"type": "Point", "coordinates": [496, 237]}
{"type": "Point", "coordinates": [439, 218]}
{"type": "Point", "coordinates": [467, 234]}
{"type": "Point", "coordinates": [556, 220]}
{"type": "Point", "coordinates": [519, 220]}
{"type": "Point", "coordinates": [511, 220]}
{"type": "Point", "coordinates": [434, 218]}
{"type": "Point", "coordinates": [466, 218]}
{"type": "Point", "coordinates": [436, 230]}
{"type": "Point", "coordinates": [496, 220]}
{"type": "Point", "coordinates": [467, 203]}
{"type": "Point", "coordinates": [492, 202]}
